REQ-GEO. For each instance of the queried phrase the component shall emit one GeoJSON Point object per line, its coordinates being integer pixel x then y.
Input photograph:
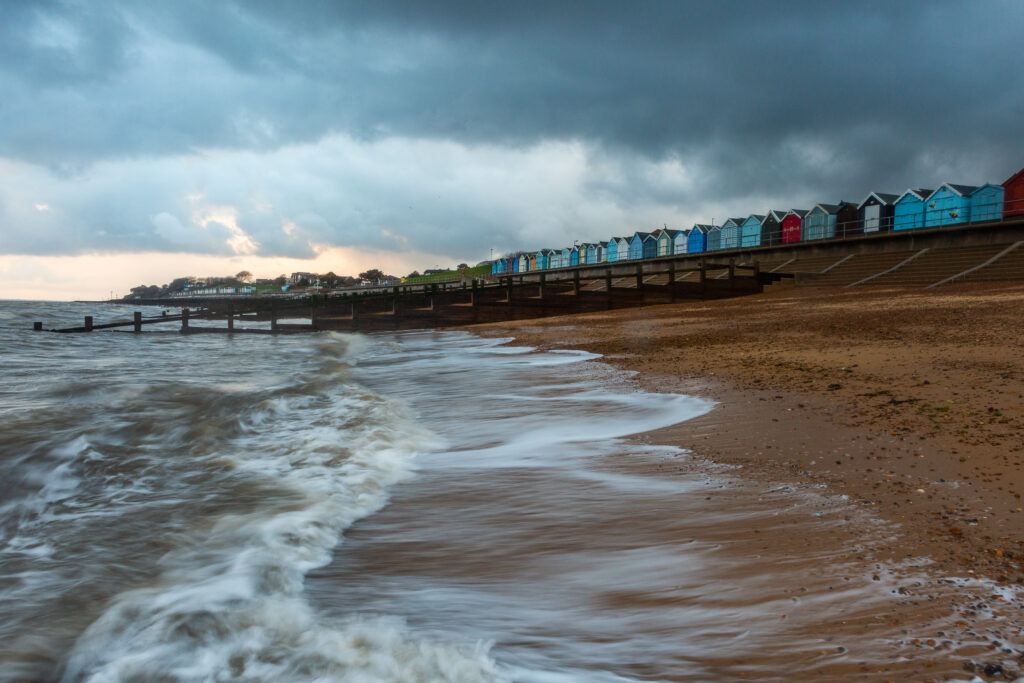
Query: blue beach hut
{"type": "Point", "coordinates": [820, 222]}
{"type": "Point", "coordinates": [730, 238]}
{"type": "Point", "coordinates": [714, 238]}
{"type": "Point", "coordinates": [987, 203]}
{"type": "Point", "coordinates": [567, 257]}
{"type": "Point", "coordinates": [697, 239]}
{"type": "Point", "coordinates": [574, 255]}
{"type": "Point", "coordinates": [514, 264]}
{"type": "Point", "coordinates": [908, 210]}
{"type": "Point", "coordinates": [947, 205]}
{"type": "Point", "coordinates": [636, 245]}
{"type": "Point", "coordinates": [679, 242]}
{"type": "Point", "coordinates": [602, 252]}
{"type": "Point", "coordinates": [651, 245]}
{"type": "Point", "coordinates": [750, 231]}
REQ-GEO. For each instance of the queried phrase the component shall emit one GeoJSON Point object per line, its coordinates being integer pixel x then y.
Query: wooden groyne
{"type": "Point", "coordinates": [495, 299]}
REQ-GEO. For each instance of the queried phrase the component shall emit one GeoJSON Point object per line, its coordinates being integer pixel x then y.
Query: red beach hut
{"type": "Point", "coordinates": [1013, 200]}
{"type": "Point", "coordinates": [791, 231]}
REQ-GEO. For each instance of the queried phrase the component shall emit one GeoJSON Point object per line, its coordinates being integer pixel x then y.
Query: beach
{"type": "Point", "coordinates": [908, 402]}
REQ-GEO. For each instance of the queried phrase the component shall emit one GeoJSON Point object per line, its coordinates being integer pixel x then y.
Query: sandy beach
{"type": "Point", "coordinates": [910, 403]}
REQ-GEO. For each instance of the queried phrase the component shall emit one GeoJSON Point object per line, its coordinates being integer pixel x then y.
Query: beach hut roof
{"type": "Point", "coordinates": [756, 216]}
{"type": "Point", "coordinates": [800, 213]}
{"type": "Point", "coordinates": [735, 221]}
{"type": "Point", "coordinates": [776, 214]}
{"type": "Point", "coordinates": [961, 190]}
{"type": "Point", "coordinates": [883, 198]}
{"type": "Point", "coordinates": [979, 188]}
{"type": "Point", "coordinates": [602, 244]}
{"type": "Point", "coordinates": [920, 193]}
{"type": "Point", "coordinates": [830, 209]}
{"type": "Point", "coordinates": [703, 227]}
{"type": "Point", "coordinates": [642, 235]}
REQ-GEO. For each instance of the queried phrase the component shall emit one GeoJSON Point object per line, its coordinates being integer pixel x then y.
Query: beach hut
{"type": "Point", "coordinates": [771, 228]}
{"type": "Point", "coordinates": [623, 243]}
{"type": "Point", "coordinates": [532, 258]}
{"type": "Point", "coordinates": [730, 238]}
{"type": "Point", "coordinates": [667, 242]}
{"type": "Point", "coordinates": [588, 253]}
{"type": "Point", "coordinates": [494, 267]}
{"type": "Point", "coordinates": [948, 204]}
{"type": "Point", "coordinates": [874, 214]}
{"type": "Point", "coordinates": [697, 240]}
{"type": "Point", "coordinates": [566, 257]}
{"type": "Point", "coordinates": [651, 245]}
{"type": "Point", "coordinates": [524, 263]}
{"type": "Point", "coordinates": [636, 245]}
{"type": "Point", "coordinates": [908, 209]}
{"type": "Point", "coordinates": [515, 264]}
{"type": "Point", "coordinates": [987, 203]}
{"type": "Point", "coordinates": [750, 231]}
{"type": "Point", "coordinates": [680, 242]}
{"type": "Point", "coordinates": [612, 252]}
{"type": "Point", "coordinates": [574, 255]}
{"type": "Point", "coordinates": [1013, 197]}
{"type": "Point", "coordinates": [714, 238]}
{"type": "Point", "coordinates": [540, 258]}
{"type": "Point", "coordinates": [826, 221]}
{"type": "Point", "coordinates": [793, 226]}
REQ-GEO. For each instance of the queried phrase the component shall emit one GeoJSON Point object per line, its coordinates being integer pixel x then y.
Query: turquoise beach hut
{"type": "Point", "coordinates": [947, 205]}
{"type": "Point", "coordinates": [908, 209]}
{"type": "Point", "coordinates": [987, 203]}
{"type": "Point", "coordinates": [574, 255]}
{"type": "Point", "coordinates": [822, 222]}
{"type": "Point", "coordinates": [697, 240]}
{"type": "Point", "coordinates": [651, 245]}
{"type": "Point", "coordinates": [750, 231]}
{"type": "Point", "coordinates": [612, 253]}
{"type": "Point", "coordinates": [602, 252]}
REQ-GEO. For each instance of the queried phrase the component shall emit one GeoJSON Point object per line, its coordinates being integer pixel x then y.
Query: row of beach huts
{"type": "Point", "coordinates": [879, 212]}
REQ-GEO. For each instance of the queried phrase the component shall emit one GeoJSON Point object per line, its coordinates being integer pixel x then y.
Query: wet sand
{"type": "Point", "coordinates": [910, 403]}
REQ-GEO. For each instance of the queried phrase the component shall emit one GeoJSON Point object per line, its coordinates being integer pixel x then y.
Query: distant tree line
{"type": "Point", "coordinates": [245, 278]}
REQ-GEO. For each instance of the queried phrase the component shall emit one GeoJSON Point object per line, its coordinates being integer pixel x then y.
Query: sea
{"type": "Point", "coordinates": [416, 506]}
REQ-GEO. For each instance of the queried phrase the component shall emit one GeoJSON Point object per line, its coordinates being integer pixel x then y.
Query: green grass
{"type": "Point", "coordinates": [449, 275]}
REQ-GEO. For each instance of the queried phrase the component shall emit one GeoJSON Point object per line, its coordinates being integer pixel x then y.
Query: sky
{"type": "Point", "coordinates": [142, 141]}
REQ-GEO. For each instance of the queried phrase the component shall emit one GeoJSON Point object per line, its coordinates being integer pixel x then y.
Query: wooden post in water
{"type": "Point", "coordinates": [37, 326]}
{"type": "Point", "coordinates": [231, 317]}
{"type": "Point", "coordinates": [184, 320]}
{"type": "Point", "coordinates": [273, 316]}
{"type": "Point", "coordinates": [137, 321]}
{"type": "Point", "coordinates": [88, 323]}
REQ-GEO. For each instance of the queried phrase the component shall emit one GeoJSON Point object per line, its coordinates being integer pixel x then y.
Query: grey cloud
{"type": "Point", "coordinates": [782, 102]}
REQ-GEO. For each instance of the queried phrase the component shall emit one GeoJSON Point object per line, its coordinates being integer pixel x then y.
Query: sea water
{"type": "Point", "coordinates": [402, 507]}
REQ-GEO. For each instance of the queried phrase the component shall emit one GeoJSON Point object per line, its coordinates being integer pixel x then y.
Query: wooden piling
{"type": "Point", "coordinates": [273, 316]}
{"type": "Point", "coordinates": [732, 273]}
{"type": "Point", "coordinates": [184, 320]}
{"type": "Point", "coordinates": [608, 286]}
{"type": "Point", "coordinates": [137, 321]}
{"type": "Point", "coordinates": [639, 277]}
{"type": "Point", "coordinates": [672, 282]}
{"type": "Point", "coordinates": [231, 317]}
{"type": "Point", "coordinates": [88, 323]}
{"type": "Point", "coordinates": [543, 281]}
{"type": "Point", "coordinates": [37, 326]}
{"type": "Point", "coordinates": [576, 282]}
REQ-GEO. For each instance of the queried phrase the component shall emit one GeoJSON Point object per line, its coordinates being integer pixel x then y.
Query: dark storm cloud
{"type": "Point", "coordinates": [787, 102]}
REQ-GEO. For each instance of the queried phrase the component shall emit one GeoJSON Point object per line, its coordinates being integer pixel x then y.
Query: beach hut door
{"type": "Point", "coordinates": [871, 214]}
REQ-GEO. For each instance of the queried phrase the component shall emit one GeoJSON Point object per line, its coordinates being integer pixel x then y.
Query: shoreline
{"type": "Point", "coordinates": [907, 402]}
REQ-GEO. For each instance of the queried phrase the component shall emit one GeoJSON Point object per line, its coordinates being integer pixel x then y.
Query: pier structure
{"type": "Point", "coordinates": [447, 304]}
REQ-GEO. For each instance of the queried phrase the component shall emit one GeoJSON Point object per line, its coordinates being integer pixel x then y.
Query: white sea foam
{"type": "Point", "coordinates": [230, 602]}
